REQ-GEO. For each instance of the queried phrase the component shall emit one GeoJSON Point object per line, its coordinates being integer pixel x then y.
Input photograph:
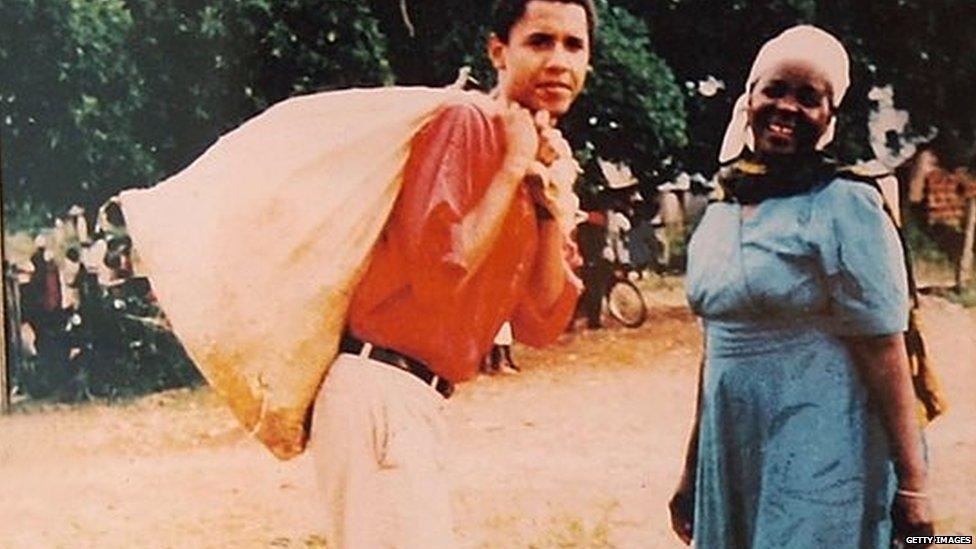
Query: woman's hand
{"type": "Point", "coordinates": [911, 516]}
{"type": "Point", "coordinates": [682, 507]}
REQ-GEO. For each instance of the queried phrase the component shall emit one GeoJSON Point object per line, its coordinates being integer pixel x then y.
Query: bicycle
{"type": "Point", "coordinates": [623, 299]}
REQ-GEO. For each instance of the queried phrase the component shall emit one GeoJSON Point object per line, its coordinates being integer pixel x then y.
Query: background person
{"type": "Point", "coordinates": [499, 359]}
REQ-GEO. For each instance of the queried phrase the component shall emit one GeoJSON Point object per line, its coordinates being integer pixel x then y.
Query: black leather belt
{"type": "Point", "coordinates": [352, 345]}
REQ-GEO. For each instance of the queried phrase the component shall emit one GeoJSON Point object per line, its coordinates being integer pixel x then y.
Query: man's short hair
{"type": "Point", "coordinates": [508, 12]}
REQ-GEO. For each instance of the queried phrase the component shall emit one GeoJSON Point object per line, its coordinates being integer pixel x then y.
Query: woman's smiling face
{"type": "Point", "coordinates": [789, 109]}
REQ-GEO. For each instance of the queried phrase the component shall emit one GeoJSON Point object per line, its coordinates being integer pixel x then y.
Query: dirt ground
{"type": "Point", "coordinates": [580, 450]}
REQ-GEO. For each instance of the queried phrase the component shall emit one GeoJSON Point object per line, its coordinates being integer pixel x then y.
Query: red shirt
{"type": "Point", "coordinates": [420, 295]}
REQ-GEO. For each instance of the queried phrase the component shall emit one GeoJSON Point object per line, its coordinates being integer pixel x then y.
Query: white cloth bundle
{"type": "Point", "coordinates": [254, 249]}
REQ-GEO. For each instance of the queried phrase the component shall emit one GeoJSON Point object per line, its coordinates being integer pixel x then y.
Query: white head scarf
{"type": "Point", "coordinates": [803, 42]}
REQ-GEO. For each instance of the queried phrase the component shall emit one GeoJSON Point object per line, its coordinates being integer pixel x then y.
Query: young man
{"type": "Point", "coordinates": [477, 237]}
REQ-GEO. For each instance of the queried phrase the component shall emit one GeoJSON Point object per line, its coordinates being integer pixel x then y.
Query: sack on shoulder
{"type": "Point", "coordinates": [253, 251]}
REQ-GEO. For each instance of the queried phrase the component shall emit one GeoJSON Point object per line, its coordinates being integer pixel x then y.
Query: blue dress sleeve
{"type": "Point", "coordinates": [862, 259]}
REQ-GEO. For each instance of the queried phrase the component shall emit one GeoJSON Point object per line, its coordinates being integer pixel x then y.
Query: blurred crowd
{"type": "Point", "coordinates": [69, 291]}
{"type": "Point", "coordinates": [633, 228]}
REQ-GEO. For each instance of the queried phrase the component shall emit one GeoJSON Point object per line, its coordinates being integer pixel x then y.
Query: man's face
{"type": "Point", "coordinates": [544, 63]}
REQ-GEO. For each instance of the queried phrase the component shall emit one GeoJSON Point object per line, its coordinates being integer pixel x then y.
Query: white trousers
{"type": "Point", "coordinates": [377, 445]}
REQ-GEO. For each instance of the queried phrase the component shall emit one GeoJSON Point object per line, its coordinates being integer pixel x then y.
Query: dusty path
{"type": "Point", "coordinates": [580, 450]}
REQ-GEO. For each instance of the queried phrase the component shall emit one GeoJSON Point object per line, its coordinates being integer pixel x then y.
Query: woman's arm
{"type": "Point", "coordinates": [691, 452]}
{"type": "Point", "coordinates": [682, 504]}
{"type": "Point", "coordinates": [884, 367]}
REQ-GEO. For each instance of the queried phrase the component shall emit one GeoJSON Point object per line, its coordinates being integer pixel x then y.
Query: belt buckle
{"type": "Point", "coordinates": [402, 363]}
{"type": "Point", "coordinates": [448, 388]}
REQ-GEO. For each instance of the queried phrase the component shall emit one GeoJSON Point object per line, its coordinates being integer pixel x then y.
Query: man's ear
{"type": "Point", "coordinates": [496, 52]}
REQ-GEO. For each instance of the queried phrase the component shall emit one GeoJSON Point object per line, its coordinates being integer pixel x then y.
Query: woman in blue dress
{"type": "Point", "coordinates": [806, 434]}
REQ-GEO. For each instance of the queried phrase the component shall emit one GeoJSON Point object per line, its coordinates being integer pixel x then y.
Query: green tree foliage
{"type": "Point", "coordinates": [914, 45]}
{"type": "Point", "coordinates": [631, 110]}
{"type": "Point", "coordinates": [125, 93]}
{"type": "Point", "coordinates": [70, 95]}
{"type": "Point", "coordinates": [100, 95]}
{"type": "Point", "coordinates": [429, 40]}
{"type": "Point", "coordinates": [702, 39]}
{"type": "Point", "coordinates": [923, 49]}
{"type": "Point", "coordinates": [209, 68]}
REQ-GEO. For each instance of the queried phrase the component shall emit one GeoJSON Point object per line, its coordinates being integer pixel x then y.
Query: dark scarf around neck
{"type": "Point", "coordinates": [747, 180]}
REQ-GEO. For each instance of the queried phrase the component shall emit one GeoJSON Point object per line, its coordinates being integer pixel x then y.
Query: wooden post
{"type": "Point", "coordinates": [964, 271]}
{"type": "Point", "coordinates": [4, 371]}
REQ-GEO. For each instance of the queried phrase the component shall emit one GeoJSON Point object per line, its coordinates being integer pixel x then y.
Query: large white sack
{"type": "Point", "coordinates": [254, 249]}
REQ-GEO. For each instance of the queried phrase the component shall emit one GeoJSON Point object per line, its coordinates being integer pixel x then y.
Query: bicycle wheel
{"type": "Point", "coordinates": [626, 304]}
